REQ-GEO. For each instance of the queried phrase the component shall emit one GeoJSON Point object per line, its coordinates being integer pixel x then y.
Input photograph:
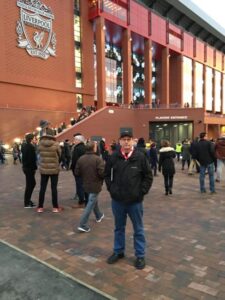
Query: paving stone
{"type": "Point", "coordinates": [185, 253]}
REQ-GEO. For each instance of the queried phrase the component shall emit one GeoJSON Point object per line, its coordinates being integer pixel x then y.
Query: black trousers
{"type": "Point", "coordinates": [168, 182]}
{"type": "Point", "coordinates": [44, 183]}
{"type": "Point", "coordinates": [30, 184]}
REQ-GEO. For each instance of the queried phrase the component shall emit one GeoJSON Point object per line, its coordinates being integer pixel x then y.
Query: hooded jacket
{"type": "Point", "coordinates": [220, 148]}
{"type": "Point", "coordinates": [166, 163]}
{"type": "Point", "coordinates": [128, 180]}
{"type": "Point", "coordinates": [50, 152]}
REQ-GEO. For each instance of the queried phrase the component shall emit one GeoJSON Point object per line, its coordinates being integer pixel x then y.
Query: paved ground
{"type": "Point", "coordinates": [23, 277]}
{"type": "Point", "coordinates": [185, 234]}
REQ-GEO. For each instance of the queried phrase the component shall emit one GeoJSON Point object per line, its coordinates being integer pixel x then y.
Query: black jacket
{"type": "Point", "coordinates": [204, 152]}
{"type": "Point", "coordinates": [128, 180]}
{"type": "Point", "coordinates": [29, 158]}
{"type": "Point", "coordinates": [78, 151]}
{"type": "Point", "coordinates": [166, 162]}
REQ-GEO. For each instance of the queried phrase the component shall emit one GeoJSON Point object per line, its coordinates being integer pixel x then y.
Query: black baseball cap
{"type": "Point", "coordinates": [126, 134]}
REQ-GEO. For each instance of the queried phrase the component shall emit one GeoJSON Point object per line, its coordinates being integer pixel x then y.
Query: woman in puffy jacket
{"type": "Point", "coordinates": [166, 164]}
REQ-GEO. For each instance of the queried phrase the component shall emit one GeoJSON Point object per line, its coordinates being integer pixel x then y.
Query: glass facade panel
{"type": "Point", "coordinates": [209, 89]}
{"type": "Point", "coordinates": [217, 99]}
{"type": "Point", "coordinates": [111, 80]}
{"type": "Point", "coordinates": [79, 102]}
{"type": "Point", "coordinates": [223, 100]}
{"type": "Point", "coordinates": [115, 10]}
{"type": "Point", "coordinates": [199, 100]}
{"type": "Point", "coordinates": [77, 45]}
{"type": "Point", "coordinates": [187, 81]}
{"type": "Point", "coordinates": [171, 131]}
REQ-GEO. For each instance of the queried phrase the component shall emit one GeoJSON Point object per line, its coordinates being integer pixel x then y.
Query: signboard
{"type": "Point", "coordinates": [34, 29]}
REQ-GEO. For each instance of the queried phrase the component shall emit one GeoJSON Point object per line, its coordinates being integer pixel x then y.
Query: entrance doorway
{"type": "Point", "coordinates": [171, 131]}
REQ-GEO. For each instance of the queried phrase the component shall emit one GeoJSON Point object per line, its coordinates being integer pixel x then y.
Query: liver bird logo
{"type": "Point", "coordinates": [38, 38]}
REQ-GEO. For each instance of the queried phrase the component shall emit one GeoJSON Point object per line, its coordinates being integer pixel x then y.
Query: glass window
{"type": "Point", "coordinates": [223, 94]}
{"type": "Point", "coordinates": [209, 89]}
{"type": "Point", "coordinates": [199, 83]}
{"type": "Point", "coordinates": [79, 102]}
{"type": "Point", "coordinates": [76, 28]}
{"type": "Point", "coordinates": [217, 99]}
{"type": "Point", "coordinates": [187, 81]}
{"type": "Point", "coordinates": [115, 10]}
{"type": "Point", "coordinates": [111, 80]}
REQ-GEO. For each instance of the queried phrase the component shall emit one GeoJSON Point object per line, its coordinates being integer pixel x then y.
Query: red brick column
{"type": "Point", "coordinates": [100, 60]}
{"type": "Point", "coordinates": [148, 71]}
{"type": "Point", "coordinates": [127, 70]}
{"type": "Point", "coordinates": [165, 77]}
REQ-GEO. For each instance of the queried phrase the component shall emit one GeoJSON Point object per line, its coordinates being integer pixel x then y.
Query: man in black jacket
{"type": "Point", "coordinates": [78, 151]}
{"type": "Point", "coordinates": [29, 164]}
{"type": "Point", "coordinates": [128, 177]}
{"type": "Point", "coordinates": [204, 153]}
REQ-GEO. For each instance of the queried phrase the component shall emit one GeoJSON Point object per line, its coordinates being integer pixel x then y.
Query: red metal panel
{"type": "Point", "coordinates": [218, 60]}
{"type": "Point", "coordinates": [210, 55]}
{"type": "Point", "coordinates": [138, 19]}
{"type": "Point", "coordinates": [158, 29]}
{"type": "Point", "coordinates": [199, 51]}
{"type": "Point", "coordinates": [188, 45]}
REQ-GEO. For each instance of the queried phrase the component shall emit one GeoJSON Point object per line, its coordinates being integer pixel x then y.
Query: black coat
{"type": "Point", "coordinates": [166, 162]}
{"type": "Point", "coordinates": [78, 151]}
{"type": "Point", "coordinates": [204, 152]}
{"type": "Point", "coordinates": [128, 180]}
{"type": "Point", "coordinates": [29, 158]}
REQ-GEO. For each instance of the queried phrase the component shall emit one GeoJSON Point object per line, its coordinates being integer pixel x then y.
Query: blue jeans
{"type": "Point", "coordinates": [92, 205]}
{"type": "Point", "coordinates": [135, 212]}
{"type": "Point", "coordinates": [220, 164]}
{"type": "Point", "coordinates": [210, 169]}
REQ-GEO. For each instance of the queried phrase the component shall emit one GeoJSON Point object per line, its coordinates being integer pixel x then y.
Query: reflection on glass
{"type": "Point", "coordinates": [187, 81]}
{"type": "Point", "coordinates": [209, 89]}
{"type": "Point", "coordinates": [198, 85]}
{"type": "Point", "coordinates": [217, 91]}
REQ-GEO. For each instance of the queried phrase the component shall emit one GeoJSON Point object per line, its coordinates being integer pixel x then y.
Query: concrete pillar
{"type": "Point", "coordinates": [127, 70]}
{"type": "Point", "coordinates": [148, 72]}
{"type": "Point", "coordinates": [100, 60]}
{"type": "Point", "coordinates": [165, 77]}
{"type": "Point", "coordinates": [214, 90]}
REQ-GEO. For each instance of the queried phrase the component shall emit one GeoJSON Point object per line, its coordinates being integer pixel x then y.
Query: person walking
{"type": "Point", "coordinates": [90, 167]}
{"type": "Point", "coordinates": [128, 178]}
{"type": "Point", "coordinates": [50, 152]}
{"type": "Point", "coordinates": [204, 152]}
{"type": "Point", "coordinates": [185, 152]}
{"type": "Point", "coordinates": [220, 155]}
{"type": "Point", "coordinates": [178, 150]}
{"type": "Point", "coordinates": [29, 166]}
{"type": "Point", "coordinates": [166, 165]}
{"type": "Point", "coordinates": [78, 151]}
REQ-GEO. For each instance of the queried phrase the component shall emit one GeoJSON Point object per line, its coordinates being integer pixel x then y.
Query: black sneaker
{"type": "Point", "coordinates": [84, 228]}
{"type": "Point", "coordinates": [139, 263]}
{"type": "Point", "coordinates": [31, 205]}
{"type": "Point", "coordinates": [114, 258]}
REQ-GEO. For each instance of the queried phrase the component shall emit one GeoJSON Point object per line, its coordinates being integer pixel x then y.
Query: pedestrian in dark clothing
{"type": "Point", "coordinates": [185, 152]}
{"type": "Point", "coordinates": [29, 165]}
{"type": "Point", "coordinates": [128, 177]}
{"type": "Point", "coordinates": [153, 158]}
{"type": "Point", "coordinates": [204, 153]}
{"type": "Point", "coordinates": [90, 167]}
{"type": "Point", "coordinates": [78, 151]}
{"type": "Point", "coordinates": [166, 165]}
{"type": "Point", "coordinates": [141, 146]}
{"type": "Point", "coordinates": [220, 155]}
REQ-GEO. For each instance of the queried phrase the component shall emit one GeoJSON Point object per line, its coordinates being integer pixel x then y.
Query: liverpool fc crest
{"type": "Point", "coordinates": [34, 29]}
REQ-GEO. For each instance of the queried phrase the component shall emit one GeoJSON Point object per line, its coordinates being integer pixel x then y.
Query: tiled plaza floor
{"type": "Point", "coordinates": [185, 238]}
